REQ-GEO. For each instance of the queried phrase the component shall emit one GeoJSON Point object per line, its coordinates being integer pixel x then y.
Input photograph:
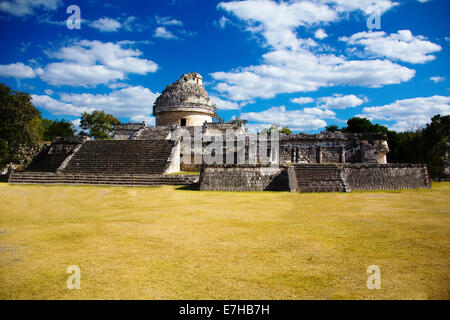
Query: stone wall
{"type": "Point", "coordinates": [354, 176]}
{"type": "Point", "coordinates": [389, 176]}
{"type": "Point", "coordinates": [333, 147]}
{"type": "Point", "coordinates": [173, 118]}
{"type": "Point", "coordinates": [124, 131]}
{"type": "Point", "coordinates": [243, 178]}
{"type": "Point", "coordinates": [54, 155]}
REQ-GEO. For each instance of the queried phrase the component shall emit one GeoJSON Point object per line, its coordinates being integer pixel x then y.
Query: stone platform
{"type": "Point", "coordinates": [315, 177]}
{"type": "Point", "coordinates": [101, 179]}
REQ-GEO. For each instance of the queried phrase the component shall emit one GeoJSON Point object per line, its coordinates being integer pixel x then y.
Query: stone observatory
{"type": "Point", "coordinates": [184, 103]}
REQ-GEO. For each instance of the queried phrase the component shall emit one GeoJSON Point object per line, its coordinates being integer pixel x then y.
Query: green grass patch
{"type": "Point", "coordinates": [169, 243]}
{"type": "Point", "coordinates": [185, 173]}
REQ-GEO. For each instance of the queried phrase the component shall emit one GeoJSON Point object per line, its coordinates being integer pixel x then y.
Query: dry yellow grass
{"type": "Point", "coordinates": [167, 243]}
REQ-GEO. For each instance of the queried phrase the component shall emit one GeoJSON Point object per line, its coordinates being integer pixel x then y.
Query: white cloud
{"type": "Point", "coordinates": [76, 124]}
{"type": "Point", "coordinates": [401, 46]}
{"type": "Point", "coordinates": [299, 120]}
{"type": "Point", "coordinates": [106, 24]}
{"type": "Point", "coordinates": [57, 107]}
{"type": "Point", "coordinates": [302, 100]}
{"type": "Point", "coordinates": [162, 32]}
{"type": "Point", "coordinates": [117, 85]}
{"type": "Point", "coordinates": [149, 121]}
{"type": "Point", "coordinates": [73, 74]}
{"type": "Point", "coordinates": [320, 34]}
{"type": "Point", "coordinates": [289, 71]}
{"type": "Point", "coordinates": [407, 112]}
{"type": "Point", "coordinates": [49, 92]}
{"type": "Point", "coordinates": [130, 101]}
{"type": "Point", "coordinates": [291, 65]}
{"type": "Point", "coordinates": [367, 6]}
{"type": "Point", "coordinates": [257, 127]}
{"type": "Point", "coordinates": [133, 102]}
{"type": "Point", "coordinates": [437, 79]}
{"type": "Point", "coordinates": [132, 23]}
{"type": "Point", "coordinates": [222, 22]}
{"type": "Point", "coordinates": [224, 104]}
{"type": "Point", "coordinates": [16, 70]}
{"type": "Point", "coordinates": [89, 63]}
{"type": "Point", "coordinates": [168, 21]}
{"type": "Point", "coordinates": [21, 8]}
{"type": "Point", "coordinates": [339, 101]}
{"type": "Point", "coordinates": [277, 21]}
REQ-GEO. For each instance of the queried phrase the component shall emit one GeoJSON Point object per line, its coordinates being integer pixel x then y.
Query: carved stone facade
{"type": "Point", "coordinates": [333, 147]}
{"type": "Point", "coordinates": [125, 131]}
{"type": "Point", "coordinates": [184, 103]}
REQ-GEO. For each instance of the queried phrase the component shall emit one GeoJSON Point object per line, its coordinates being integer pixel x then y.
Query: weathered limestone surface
{"type": "Point", "coordinates": [388, 176]}
{"type": "Point", "coordinates": [51, 157]}
{"type": "Point", "coordinates": [315, 178]}
{"type": "Point", "coordinates": [122, 157]}
{"type": "Point", "coordinates": [125, 131]}
{"type": "Point", "coordinates": [185, 98]}
{"type": "Point", "coordinates": [333, 147]}
{"type": "Point", "coordinates": [101, 179]}
{"type": "Point", "coordinates": [243, 178]}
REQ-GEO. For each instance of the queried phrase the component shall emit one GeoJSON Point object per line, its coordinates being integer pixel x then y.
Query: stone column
{"type": "Point", "coordinates": [319, 154]}
{"type": "Point", "coordinates": [342, 154]}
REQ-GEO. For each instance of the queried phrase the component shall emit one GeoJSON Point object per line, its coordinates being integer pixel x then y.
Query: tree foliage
{"type": "Point", "coordinates": [55, 128]}
{"type": "Point", "coordinates": [363, 125]}
{"type": "Point", "coordinates": [278, 128]}
{"type": "Point", "coordinates": [19, 124]}
{"type": "Point", "coordinates": [332, 128]}
{"type": "Point", "coordinates": [238, 122]}
{"type": "Point", "coordinates": [428, 145]}
{"type": "Point", "coordinates": [99, 124]}
{"type": "Point", "coordinates": [216, 116]}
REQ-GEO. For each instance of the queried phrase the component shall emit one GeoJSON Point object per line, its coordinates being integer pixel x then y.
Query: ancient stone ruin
{"type": "Point", "coordinates": [147, 155]}
{"type": "Point", "coordinates": [184, 103]}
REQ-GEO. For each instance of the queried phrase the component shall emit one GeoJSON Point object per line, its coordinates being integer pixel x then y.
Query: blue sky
{"type": "Point", "coordinates": [302, 64]}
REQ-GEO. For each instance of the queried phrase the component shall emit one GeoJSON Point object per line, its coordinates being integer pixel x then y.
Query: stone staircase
{"type": "Point", "coordinates": [101, 179]}
{"type": "Point", "coordinates": [121, 157]}
{"type": "Point", "coordinates": [316, 178]}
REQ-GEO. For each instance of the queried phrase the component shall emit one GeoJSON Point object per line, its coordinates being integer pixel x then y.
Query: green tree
{"type": "Point", "coordinates": [99, 124]}
{"type": "Point", "coordinates": [285, 130]}
{"type": "Point", "coordinates": [19, 124]}
{"type": "Point", "coordinates": [332, 128]}
{"type": "Point", "coordinates": [278, 128]}
{"type": "Point", "coordinates": [216, 116]}
{"type": "Point", "coordinates": [436, 139]}
{"type": "Point", "coordinates": [428, 145]}
{"type": "Point", "coordinates": [405, 147]}
{"type": "Point", "coordinates": [55, 128]}
{"type": "Point", "coordinates": [237, 122]}
{"type": "Point", "coordinates": [363, 125]}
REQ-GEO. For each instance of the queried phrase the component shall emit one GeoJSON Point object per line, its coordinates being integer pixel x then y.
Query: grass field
{"type": "Point", "coordinates": [169, 243]}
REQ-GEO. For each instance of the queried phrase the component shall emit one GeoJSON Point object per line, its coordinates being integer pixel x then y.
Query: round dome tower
{"type": "Point", "coordinates": [184, 103]}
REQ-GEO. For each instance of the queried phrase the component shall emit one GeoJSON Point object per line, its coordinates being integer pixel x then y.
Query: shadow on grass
{"type": "Point", "coordinates": [194, 187]}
